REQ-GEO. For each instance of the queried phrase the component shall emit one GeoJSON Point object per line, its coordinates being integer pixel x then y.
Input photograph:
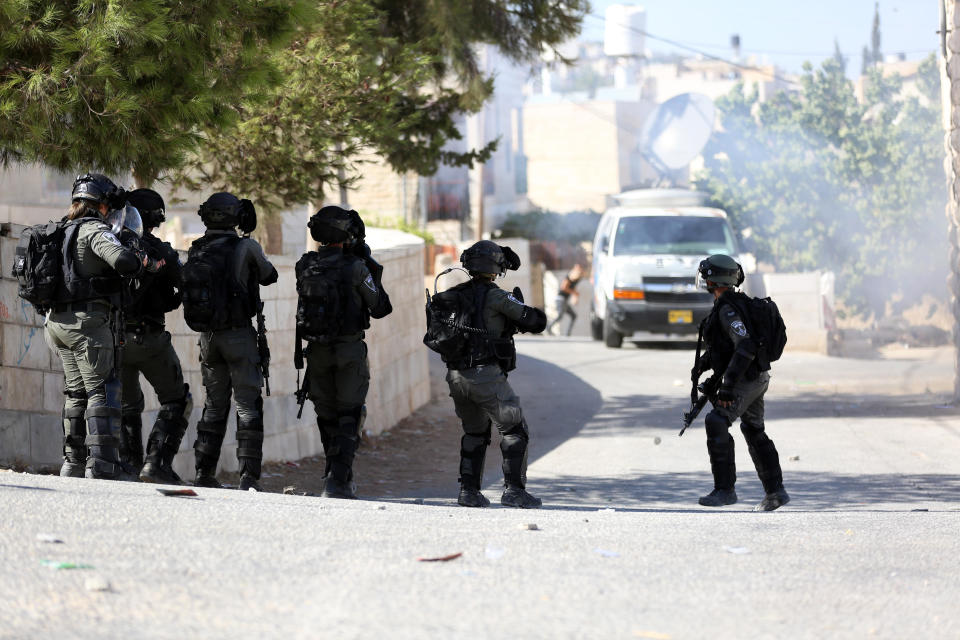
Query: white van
{"type": "Point", "coordinates": [645, 256]}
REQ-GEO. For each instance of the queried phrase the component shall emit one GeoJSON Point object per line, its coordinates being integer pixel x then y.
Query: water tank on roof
{"type": "Point", "coordinates": [623, 31]}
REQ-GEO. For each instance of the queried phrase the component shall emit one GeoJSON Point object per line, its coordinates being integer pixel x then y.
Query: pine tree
{"type": "Point", "coordinates": [121, 86]}
{"type": "Point", "coordinates": [875, 55]}
{"type": "Point", "coordinates": [389, 77]}
{"type": "Point", "coordinates": [838, 56]}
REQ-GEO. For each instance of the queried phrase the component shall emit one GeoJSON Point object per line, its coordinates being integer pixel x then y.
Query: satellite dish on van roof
{"type": "Point", "coordinates": [677, 131]}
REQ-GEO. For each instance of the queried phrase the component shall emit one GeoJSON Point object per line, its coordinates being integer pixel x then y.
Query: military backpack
{"type": "Point", "coordinates": [46, 270]}
{"type": "Point", "coordinates": [765, 325]}
{"type": "Point", "coordinates": [212, 297]}
{"type": "Point", "coordinates": [321, 303]}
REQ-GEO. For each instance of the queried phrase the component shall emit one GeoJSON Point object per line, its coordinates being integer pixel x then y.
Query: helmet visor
{"type": "Point", "coordinates": [127, 217]}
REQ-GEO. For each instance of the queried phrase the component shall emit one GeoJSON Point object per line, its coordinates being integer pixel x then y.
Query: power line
{"type": "Point", "coordinates": [690, 46]}
{"type": "Point", "coordinates": [710, 56]}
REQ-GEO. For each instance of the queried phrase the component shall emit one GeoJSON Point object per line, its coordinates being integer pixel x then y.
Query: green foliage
{"type": "Point", "coordinates": [387, 77]}
{"type": "Point", "coordinates": [826, 182]}
{"type": "Point", "coordinates": [544, 225]}
{"type": "Point", "coordinates": [124, 85]}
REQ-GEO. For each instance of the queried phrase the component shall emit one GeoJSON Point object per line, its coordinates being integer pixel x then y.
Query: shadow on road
{"type": "Point", "coordinates": [808, 491]}
{"type": "Point", "coordinates": [623, 414]}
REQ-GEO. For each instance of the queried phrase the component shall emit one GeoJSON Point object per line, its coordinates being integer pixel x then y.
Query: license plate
{"type": "Point", "coordinates": [680, 317]}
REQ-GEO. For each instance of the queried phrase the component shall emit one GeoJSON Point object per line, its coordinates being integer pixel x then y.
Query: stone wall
{"type": "Point", "coordinates": [31, 380]}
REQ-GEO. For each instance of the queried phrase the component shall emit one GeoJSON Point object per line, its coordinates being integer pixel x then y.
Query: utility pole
{"type": "Point", "coordinates": [950, 99]}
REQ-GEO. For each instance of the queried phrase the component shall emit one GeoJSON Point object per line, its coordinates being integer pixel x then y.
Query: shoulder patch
{"type": "Point", "coordinates": [739, 328]}
{"type": "Point", "coordinates": [370, 284]}
{"type": "Point", "coordinates": [112, 238]}
{"type": "Point", "coordinates": [512, 299]}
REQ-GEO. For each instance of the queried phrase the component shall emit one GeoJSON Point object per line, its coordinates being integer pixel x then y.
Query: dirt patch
{"type": "Point", "coordinates": [418, 457]}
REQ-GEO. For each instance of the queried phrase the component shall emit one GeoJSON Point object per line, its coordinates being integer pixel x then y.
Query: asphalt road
{"type": "Point", "coordinates": [869, 546]}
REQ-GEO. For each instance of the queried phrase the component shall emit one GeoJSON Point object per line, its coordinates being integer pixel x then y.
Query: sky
{"type": "Point", "coordinates": [785, 33]}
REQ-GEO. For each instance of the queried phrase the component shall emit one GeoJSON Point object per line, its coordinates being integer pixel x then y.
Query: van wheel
{"type": "Point", "coordinates": [611, 337]}
{"type": "Point", "coordinates": [596, 327]}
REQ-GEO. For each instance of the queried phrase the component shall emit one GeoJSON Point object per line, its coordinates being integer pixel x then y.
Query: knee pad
{"type": "Point", "coordinates": [470, 443]}
{"type": "Point", "coordinates": [348, 422]}
{"type": "Point", "coordinates": [717, 426]}
{"type": "Point", "coordinates": [80, 394]}
{"type": "Point", "coordinates": [752, 431]}
{"type": "Point", "coordinates": [514, 440]}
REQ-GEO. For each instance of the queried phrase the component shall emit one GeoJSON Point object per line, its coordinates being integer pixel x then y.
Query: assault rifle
{"type": "Point", "coordinates": [262, 346]}
{"type": "Point", "coordinates": [301, 392]}
{"type": "Point", "coordinates": [706, 388]}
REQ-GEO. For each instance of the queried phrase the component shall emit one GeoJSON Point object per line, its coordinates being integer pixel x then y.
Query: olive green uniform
{"type": "Point", "coordinates": [81, 333]}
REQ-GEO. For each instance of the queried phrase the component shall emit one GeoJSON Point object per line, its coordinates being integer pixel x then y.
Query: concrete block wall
{"type": "Point", "coordinates": [31, 380]}
{"type": "Point", "coordinates": [805, 301]}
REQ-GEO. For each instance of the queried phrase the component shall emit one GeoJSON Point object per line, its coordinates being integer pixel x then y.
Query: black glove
{"type": "Point", "coordinates": [700, 366]}
{"type": "Point", "coordinates": [149, 264]}
{"type": "Point", "coordinates": [725, 394]}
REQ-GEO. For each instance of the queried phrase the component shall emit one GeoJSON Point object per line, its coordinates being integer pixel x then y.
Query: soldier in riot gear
{"type": "Point", "coordinates": [80, 325]}
{"type": "Point", "coordinates": [221, 281]}
{"type": "Point", "coordinates": [148, 350]}
{"type": "Point", "coordinates": [732, 353]}
{"type": "Point", "coordinates": [477, 373]}
{"type": "Point", "coordinates": [340, 289]}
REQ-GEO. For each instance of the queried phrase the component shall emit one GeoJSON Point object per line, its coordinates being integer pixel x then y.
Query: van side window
{"type": "Point", "coordinates": [605, 235]}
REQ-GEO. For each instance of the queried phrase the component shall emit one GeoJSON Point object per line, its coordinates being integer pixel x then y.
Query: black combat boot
{"type": "Point", "coordinates": [339, 481]}
{"type": "Point", "coordinates": [473, 451]}
{"type": "Point", "coordinates": [131, 442]}
{"type": "Point", "coordinates": [103, 444]}
{"type": "Point", "coordinates": [719, 498]}
{"type": "Point", "coordinates": [74, 447]}
{"type": "Point", "coordinates": [164, 441]}
{"type": "Point", "coordinates": [767, 462]}
{"type": "Point", "coordinates": [773, 500]}
{"type": "Point", "coordinates": [250, 452]}
{"type": "Point", "coordinates": [723, 466]}
{"type": "Point", "coordinates": [343, 448]}
{"type": "Point", "coordinates": [513, 446]}
{"type": "Point", "coordinates": [206, 450]}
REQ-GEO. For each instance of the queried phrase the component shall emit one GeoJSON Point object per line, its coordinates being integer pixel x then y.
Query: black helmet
{"type": "Point", "coordinates": [150, 205]}
{"type": "Point", "coordinates": [97, 188]}
{"type": "Point", "coordinates": [333, 224]}
{"type": "Point", "coordinates": [220, 211]}
{"type": "Point", "coordinates": [721, 270]}
{"type": "Point", "coordinates": [487, 256]}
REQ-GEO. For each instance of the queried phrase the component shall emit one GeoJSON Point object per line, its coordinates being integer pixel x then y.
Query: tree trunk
{"type": "Point", "coordinates": [270, 234]}
{"type": "Point", "coordinates": [950, 93]}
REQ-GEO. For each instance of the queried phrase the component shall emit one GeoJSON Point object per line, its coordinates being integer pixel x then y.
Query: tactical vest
{"type": "Point", "coordinates": [156, 293]}
{"type": "Point", "coordinates": [213, 300]}
{"type": "Point", "coordinates": [480, 346]}
{"type": "Point", "coordinates": [720, 344]}
{"type": "Point", "coordinates": [327, 305]}
{"type": "Point", "coordinates": [77, 287]}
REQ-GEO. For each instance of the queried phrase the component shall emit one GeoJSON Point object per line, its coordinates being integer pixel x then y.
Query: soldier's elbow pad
{"type": "Point", "coordinates": [533, 320]}
{"type": "Point", "coordinates": [271, 278]}
{"type": "Point", "coordinates": [128, 264]}
{"type": "Point", "coordinates": [383, 308]}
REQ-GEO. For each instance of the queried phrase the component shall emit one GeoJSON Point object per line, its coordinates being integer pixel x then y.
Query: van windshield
{"type": "Point", "coordinates": [684, 235]}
